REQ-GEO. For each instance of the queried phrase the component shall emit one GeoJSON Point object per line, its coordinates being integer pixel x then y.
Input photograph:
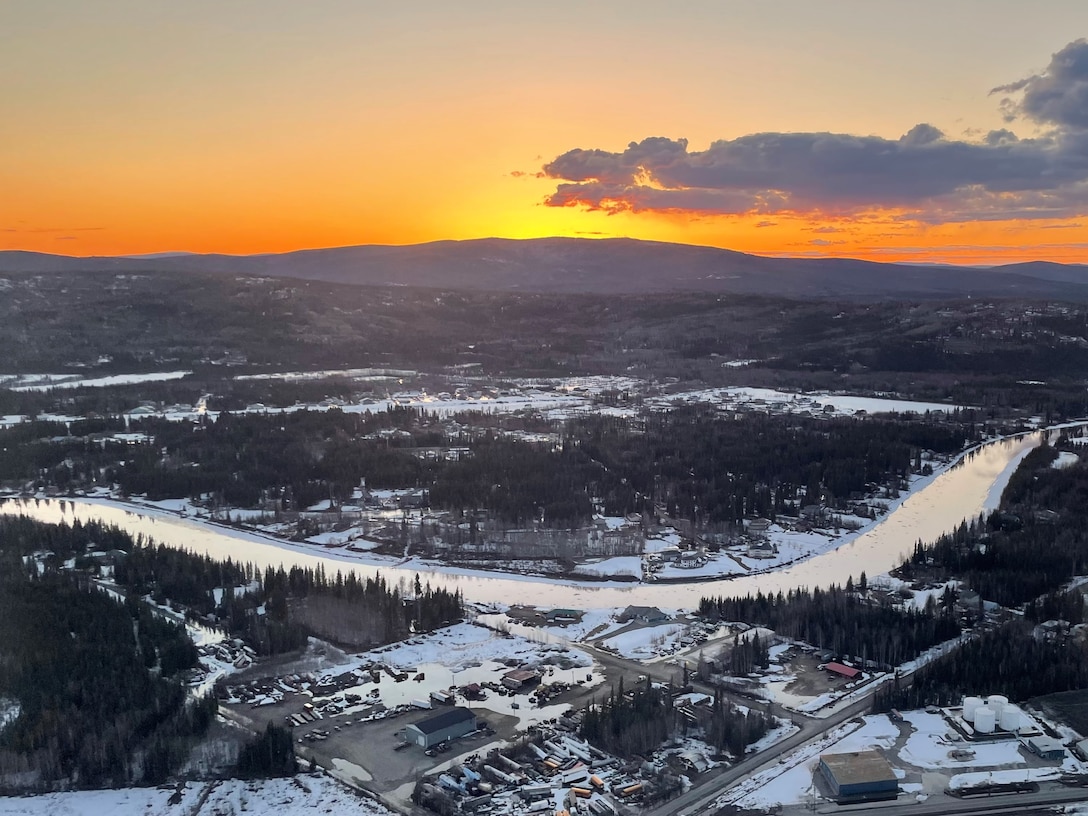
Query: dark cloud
{"type": "Point", "coordinates": [763, 224]}
{"type": "Point", "coordinates": [923, 172]}
{"type": "Point", "coordinates": [1058, 96]}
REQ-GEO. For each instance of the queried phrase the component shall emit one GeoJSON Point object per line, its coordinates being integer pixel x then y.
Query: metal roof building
{"type": "Point", "coordinates": [859, 777]}
{"type": "Point", "coordinates": [849, 672]}
{"type": "Point", "coordinates": [450, 724]}
{"type": "Point", "coordinates": [518, 678]}
{"type": "Point", "coordinates": [1046, 747]}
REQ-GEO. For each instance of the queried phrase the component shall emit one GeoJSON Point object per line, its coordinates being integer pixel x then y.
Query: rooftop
{"type": "Point", "coordinates": [858, 767]}
{"type": "Point", "coordinates": [1045, 744]}
{"type": "Point", "coordinates": [845, 671]}
{"type": "Point", "coordinates": [521, 675]}
{"type": "Point", "coordinates": [451, 716]}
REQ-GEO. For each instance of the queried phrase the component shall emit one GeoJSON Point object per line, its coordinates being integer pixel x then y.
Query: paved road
{"type": "Point", "coordinates": [714, 784]}
{"type": "Point", "coordinates": [698, 800]}
{"type": "Point", "coordinates": [1013, 803]}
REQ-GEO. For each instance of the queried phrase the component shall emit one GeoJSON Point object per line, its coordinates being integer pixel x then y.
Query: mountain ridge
{"type": "Point", "coordinates": [596, 266]}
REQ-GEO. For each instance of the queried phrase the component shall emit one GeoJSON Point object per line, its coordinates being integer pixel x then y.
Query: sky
{"type": "Point", "coordinates": [932, 131]}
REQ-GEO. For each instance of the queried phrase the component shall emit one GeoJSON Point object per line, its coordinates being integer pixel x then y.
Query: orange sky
{"type": "Point", "coordinates": [134, 126]}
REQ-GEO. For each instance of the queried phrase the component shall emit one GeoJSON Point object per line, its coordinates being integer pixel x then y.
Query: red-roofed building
{"type": "Point", "coordinates": [519, 678]}
{"type": "Point", "coordinates": [843, 671]}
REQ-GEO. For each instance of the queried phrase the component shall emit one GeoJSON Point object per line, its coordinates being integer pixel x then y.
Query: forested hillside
{"type": "Point", "coordinates": [692, 461]}
{"type": "Point", "coordinates": [1008, 661]}
{"type": "Point", "coordinates": [1037, 541]}
{"type": "Point", "coordinates": [842, 621]}
{"type": "Point", "coordinates": [97, 682]}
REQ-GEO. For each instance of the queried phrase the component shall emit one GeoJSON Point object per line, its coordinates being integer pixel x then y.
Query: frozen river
{"type": "Point", "coordinates": [961, 492]}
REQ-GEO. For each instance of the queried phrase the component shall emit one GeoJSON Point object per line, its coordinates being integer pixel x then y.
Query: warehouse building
{"type": "Point", "coordinates": [1046, 747]}
{"type": "Point", "coordinates": [518, 679]}
{"type": "Point", "coordinates": [862, 776]}
{"type": "Point", "coordinates": [450, 724]}
{"type": "Point", "coordinates": [849, 672]}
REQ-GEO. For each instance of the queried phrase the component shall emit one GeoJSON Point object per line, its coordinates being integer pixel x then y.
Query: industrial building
{"type": "Point", "coordinates": [862, 776]}
{"type": "Point", "coordinates": [450, 724]}
{"type": "Point", "coordinates": [849, 672]}
{"type": "Point", "coordinates": [1046, 747]}
{"type": "Point", "coordinates": [517, 679]}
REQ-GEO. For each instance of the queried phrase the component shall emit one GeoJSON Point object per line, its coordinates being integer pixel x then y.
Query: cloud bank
{"type": "Point", "coordinates": [923, 173]}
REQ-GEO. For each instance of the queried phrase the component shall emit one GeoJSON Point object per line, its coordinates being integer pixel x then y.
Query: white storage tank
{"type": "Point", "coordinates": [1010, 718]}
{"type": "Point", "coordinates": [985, 720]}
{"type": "Point", "coordinates": [970, 706]}
{"type": "Point", "coordinates": [997, 702]}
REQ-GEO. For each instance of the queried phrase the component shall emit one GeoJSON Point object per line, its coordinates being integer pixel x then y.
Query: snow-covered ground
{"type": "Point", "coordinates": [1065, 459]}
{"type": "Point", "coordinates": [928, 746]}
{"type": "Point", "coordinates": [555, 399]}
{"type": "Point", "coordinates": [647, 642]}
{"type": "Point", "coordinates": [970, 780]}
{"type": "Point", "coordinates": [612, 567]}
{"type": "Point", "coordinates": [361, 374]}
{"type": "Point", "coordinates": [462, 654]}
{"type": "Point", "coordinates": [817, 402]}
{"type": "Point", "coordinates": [302, 795]}
{"type": "Point", "coordinates": [925, 760]}
{"type": "Point", "coordinates": [45, 382]}
{"type": "Point", "coordinates": [9, 711]}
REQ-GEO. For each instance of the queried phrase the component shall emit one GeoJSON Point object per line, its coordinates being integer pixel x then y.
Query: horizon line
{"type": "Point", "coordinates": [171, 254]}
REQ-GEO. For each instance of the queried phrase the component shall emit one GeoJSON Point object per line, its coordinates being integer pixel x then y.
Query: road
{"type": "Point", "coordinates": [699, 800]}
{"type": "Point", "coordinates": [1013, 803]}
{"type": "Point", "coordinates": [713, 784]}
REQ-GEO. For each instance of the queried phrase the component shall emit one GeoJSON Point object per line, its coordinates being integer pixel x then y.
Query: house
{"type": "Point", "coordinates": [645, 614]}
{"type": "Point", "coordinates": [759, 527]}
{"type": "Point", "coordinates": [761, 549]}
{"type": "Point", "coordinates": [449, 725]}
{"type": "Point", "coordinates": [690, 559]}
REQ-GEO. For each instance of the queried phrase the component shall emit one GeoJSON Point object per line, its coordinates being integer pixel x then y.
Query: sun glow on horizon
{"type": "Point", "coordinates": [143, 128]}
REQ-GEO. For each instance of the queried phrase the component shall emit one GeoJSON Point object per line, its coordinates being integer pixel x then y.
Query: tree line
{"type": "Point", "coordinates": [843, 622]}
{"type": "Point", "coordinates": [639, 722]}
{"type": "Point", "coordinates": [1035, 542]}
{"type": "Point", "coordinates": [98, 683]}
{"type": "Point", "coordinates": [1007, 660]}
{"type": "Point", "coordinates": [691, 462]}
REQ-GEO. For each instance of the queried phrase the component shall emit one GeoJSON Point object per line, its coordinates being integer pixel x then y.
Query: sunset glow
{"type": "Point", "coordinates": [133, 127]}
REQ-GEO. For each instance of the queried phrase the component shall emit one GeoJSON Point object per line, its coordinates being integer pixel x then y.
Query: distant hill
{"type": "Point", "coordinates": [607, 266]}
